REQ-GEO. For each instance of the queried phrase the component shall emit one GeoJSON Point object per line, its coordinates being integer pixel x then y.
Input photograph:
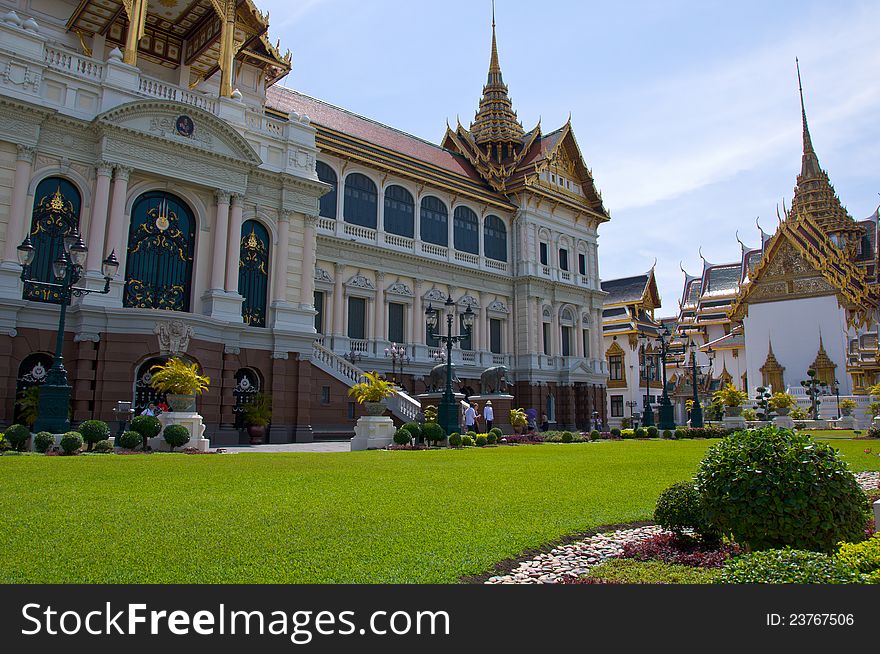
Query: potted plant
{"type": "Point", "coordinates": [781, 403]}
{"type": "Point", "coordinates": [518, 420]}
{"type": "Point", "coordinates": [372, 393]}
{"type": "Point", "coordinates": [847, 406]}
{"type": "Point", "coordinates": [732, 398]}
{"type": "Point", "coordinates": [257, 414]}
{"type": "Point", "coordinates": [181, 382]}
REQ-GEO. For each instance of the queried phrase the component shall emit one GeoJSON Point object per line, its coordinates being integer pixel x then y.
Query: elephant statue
{"type": "Point", "coordinates": [437, 378]}
{"type": "Point", "coordinates": [494, 380]}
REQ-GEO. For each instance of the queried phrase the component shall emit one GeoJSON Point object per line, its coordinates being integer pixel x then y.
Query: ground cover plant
{"type": "Point", "coordinates": [631, 571]}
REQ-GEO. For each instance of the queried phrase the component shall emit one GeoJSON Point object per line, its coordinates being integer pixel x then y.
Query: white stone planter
{"type": "Point", "coordinates": [372, 433]}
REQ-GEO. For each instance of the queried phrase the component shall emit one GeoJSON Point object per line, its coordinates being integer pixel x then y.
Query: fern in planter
{"type": "Point", "coordinates": [258, 412]}
{"type": "Point", "coordinates": [373, 389]}
{"type": "Point", "coordinates": [178, 377]}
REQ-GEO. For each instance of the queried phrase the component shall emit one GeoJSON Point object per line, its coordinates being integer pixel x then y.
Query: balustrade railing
{"type": "Point", "coordinates": [359, 232]}
{"type": "Point", "coordinates": [73, 63]}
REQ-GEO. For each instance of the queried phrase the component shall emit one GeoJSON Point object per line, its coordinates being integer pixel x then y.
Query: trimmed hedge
{"type": "Point", "coordinates": [93, 431]}
{"type": "Point", "coordinates": [481, 440]}
{"type": "Point", "coordinates": [403, 436]}
{"type": "Point", "coordinates": [129, 440]}
{"type": "Point", "coordinates": [176, 436]}
{"type": "Point", "coordinates": [17, 436]}
{"type": "Point", "coordinates": [71, 442]}
{"type": "Point", "coordinates": [43, 442]}
{"type": "Point", "coordinates": [147, 426]}
{"type": "Point", "coordinates": [786, 566]}
{"type": "Point", "coordinates": [103, 447]}
{"type": "Point", "coordinates": [455, 439]}
{"type": "Point", "coordinates": [680, 507]}
{"type": "Point", "coordinates": [415, 429]}
{"type": "Point", "coordinates": [433, 432]}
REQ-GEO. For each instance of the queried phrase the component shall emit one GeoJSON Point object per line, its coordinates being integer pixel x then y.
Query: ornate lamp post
{"type": "Point", "coordinates": [814, 389]}
{"type": "Point", "coordinates": [667, 413]}
{"type": "Point", "coordinates": [398, 354]}
{"type": "Point", "coordinates": [447, 413]}
{"type": "Point", "coordinates": [650, 369]}
{"type": "Point", "coordinates": [696, 410]}
{"type": "Point", "coordinates": [68, 270]}
{"type": "Point", "coordinates": [836, 389]}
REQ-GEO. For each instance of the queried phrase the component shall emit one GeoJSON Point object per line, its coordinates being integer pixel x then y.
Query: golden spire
{"type": "Point", "coordinates": [810, 163]}
{"type": "Point", "coordinates": [495, 122]}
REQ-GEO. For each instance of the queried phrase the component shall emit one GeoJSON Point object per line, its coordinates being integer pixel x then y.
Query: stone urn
{"type": "Point", "coordinates": [733, 411]}
{"type": "Point", "coordinates": [257, 434]}
{"type": "Point", "coordinates": [375, 408]}
{"type": "Point", "coordinates": [783, 411]}
{"type": "Point", "coordinates": [181, 403]}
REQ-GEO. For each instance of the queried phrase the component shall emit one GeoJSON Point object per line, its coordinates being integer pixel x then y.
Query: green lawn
{"type": "Point", "coordinates": [389, 517]}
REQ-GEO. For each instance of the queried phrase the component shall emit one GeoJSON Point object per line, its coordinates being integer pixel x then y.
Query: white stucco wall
{"type": "Point", "coordinates": [794, 327]}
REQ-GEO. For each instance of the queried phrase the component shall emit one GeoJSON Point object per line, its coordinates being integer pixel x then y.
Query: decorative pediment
{"type": "Point", "coordinates": [547, 312]}
{"type": "Point", "coordinates": [322, 275]}
{"type": "Point", "coordinates": [435, 295]}
{"type": "Point", "coordinates": [359, 281]}
{"type": "Point", "coordinates": [499, 306]}
{"type": "Point", "coordinates": [181, 124]}
{"type": "Point", "coordinates": [469, 301]}
{"type": "Point", "coordinates": [399, 288]}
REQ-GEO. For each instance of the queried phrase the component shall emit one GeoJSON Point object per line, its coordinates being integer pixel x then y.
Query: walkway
{"type": "Point", "coordinates": [327, 446]}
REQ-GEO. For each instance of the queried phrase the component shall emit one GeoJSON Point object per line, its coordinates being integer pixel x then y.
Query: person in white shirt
{"type": "Point", "coordinates": [470, 417]}
{"type": "Point", "coordinates": [488, 415]}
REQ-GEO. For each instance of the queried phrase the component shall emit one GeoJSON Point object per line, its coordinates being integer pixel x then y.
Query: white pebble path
{"type": "Point", "coordinates": [576, 559]}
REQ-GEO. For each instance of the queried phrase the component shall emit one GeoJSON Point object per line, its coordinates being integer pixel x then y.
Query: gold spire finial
{"type": "Point", "coordinates": [810, 163]}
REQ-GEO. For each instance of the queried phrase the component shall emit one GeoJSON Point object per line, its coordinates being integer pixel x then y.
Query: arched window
{"type": "Point", "coordinates": [361, 206]}
{"type": "Point", "coordinates": [144, 393]}
{"type": "Point", "coordinates": [161, 241]}
{"type": "Point", "coordinates": [495, 238]}
{"type": "Point", "coordinates": [247, 384]}
{"type": "Point", "coordinates": [434, 221]}
{"type": "Point", "coordinates": [328, 201]}
{"type": "Point", "coordinates": [253, 273]}
{"type": "Point", "coordinates": [56, 214]}
{"type": "Point", "coordinates": [399, 212]}
{"type": "Point", "coordinates": [466, 231]}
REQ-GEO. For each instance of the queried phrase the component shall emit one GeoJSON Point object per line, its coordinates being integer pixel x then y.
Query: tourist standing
{"type": "Point", "coordinates": [470, 417]}
{"type": "Point", "coordinates": [488, 415]}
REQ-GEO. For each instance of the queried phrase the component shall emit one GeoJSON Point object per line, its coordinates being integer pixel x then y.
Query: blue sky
{"type": "Point", "coordinates": [687, 112]}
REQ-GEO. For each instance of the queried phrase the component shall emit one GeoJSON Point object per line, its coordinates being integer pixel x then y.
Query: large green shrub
{"type": "Point", "coordinates": [491, 438]}
{"type": "Point", "coordinates": [680, 507]}
{"type": "Point", "coordinates": [467, 440]}
{"type": "Point", "coordinates": [863, 558]}
{"type": "Point", "coordinates": [640, 432]}
{"type": "Point", "coordinates": [129, 440]}
{"type": "Point", "coordinates": [595, 435]}
{"type": "Point", "coordinates": [415, 429]}
{"type": "Point", "coordinates": [71, 442]}
{"type": "Point", "coordinates": [17, 436]}
{"type": "Point", "coordinates": [771, 488]}
{"type": "Point", "coordinates": [455, 439]}
{"type": "Point", "coordinates": [786, 566]}
{"type": "Point", "coordinates": [402, 436]}
{"type": "Point", "coordinates": [652, 431]}
{"type": "Point", "coordinates": [147, 426]}
{"type": "Point", "coordinates": [667, 434]}
{"type": "Point", "coordinates": [43, 441]}
{"type": "Point", "coordinates": [567, 437]}
{"type": "Point", "coordinates": [93, 431]}
{"type": "Point", "coordinates": [681, 432]}
{"type": "Point", "coordinates": [498, 433]}
{"type": "Point", "coordinates": [481, 440]}
{"type": "Point", "coordinates": [176, 436]}
{"type": "Point", "coordinates": [433, 432]}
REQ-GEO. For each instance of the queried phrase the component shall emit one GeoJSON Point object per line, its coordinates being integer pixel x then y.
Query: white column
{"type": "Point", "coordinates": [379, 309]}
{"type": "Point", "coordinates": [310, 253]}
{"type": "Point", "coordinates": [98, 222]}
{"type": "Point", "coordinates": [417, 320]}
{"type": "Point", "coordinates": [281, 257]}
{"type": "Point", "coordinates": [233, 244]}
{"type": "Point", "coordinates": [116, 223]}
{"type": "Point", "coordinates": [338, 307]}
{"type": "Point", "coordinates": [221, 232]}
{"type": "Point", "coordinates": [535, 311]}
{"type": "Point", "coordinates": [16, 229]}
{"type": "Point", "coordinates": [510, 346]}
{"type": "Point", "coordinates": [480, 320]}
{"type": "Point", "coordinates": [579, 334]}
{"type": "Point", "coordinates": [555, 336]}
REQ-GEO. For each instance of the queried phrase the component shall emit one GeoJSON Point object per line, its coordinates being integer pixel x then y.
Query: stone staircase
{"type": "Point", "coordinates": [402, 405]}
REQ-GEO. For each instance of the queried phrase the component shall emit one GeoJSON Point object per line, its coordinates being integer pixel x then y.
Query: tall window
{"type": "Point", "coordinates": [617, 406]}
{"type": "Point", "coordinates": [582, 264]}
{"type": "Point", "coordinates": [466, 228]}
{"type": "Point", "coordinates": [566, 341]}
{"type": "Point", "coordinates": [319, 312]}
{"type": "Point", "coordinates": [563, 259]}
{"type": "Point", "coordinates": [546, 336]}
{"type": "Point", "coordinates": [495, 336]}
{"type": "Point", "coordinates": [357, 318]}
{"type": "Point", "coordinates": [434, 221]}
{"type": "Point", "coordinates": [361, 206]}
{"type": "Point", "coordinates": [395, 322]}
{"type": "Point", "coordinates": [544, 254]}
{"type": "Point", "coordinates": [615, 367]}
{"type": "Point", "coordinates": [467, 343]}
{"type": "Point", "coordinates": [586, 336]}
{"type": "Point", "coordinates": [253, 273]}
{"type": "Point", "coordinates": [495, 238]}
{"type": "Point", "coordinates": [328, 201]}
{"type": "Point", "coordinates": [161, 240]}
{"type": "Point", "coordinates": [55, 215]}
{"type": "Point", "coordinates": [399, 212]}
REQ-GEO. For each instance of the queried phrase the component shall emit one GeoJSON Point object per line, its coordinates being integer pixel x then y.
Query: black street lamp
{"type": "Point", "coordinates": [814, 388]}
{"type": "Point", "coordinates": [696, 409]}
{"type": "Point", "coordinates": [52, 411]}
{"type": "Point", "coordinates": [667, 413]}
{"type": "Point", "coordinates": [447, 413]}
{"type": "Point", "coordinates": [836, 390]}
{"type": "Point", "coordinates": [650, 370]}
{"type": "Point", "coordinates": [398, 354]}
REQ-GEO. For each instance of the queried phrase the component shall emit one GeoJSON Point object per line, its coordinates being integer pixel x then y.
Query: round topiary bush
{"type": "Point", "coordinates": [667, 433]}
{"type": "Point", "coordinates": [103, 447]}
{"type": "Point", "coordinates": [129, 440]}
{"type": "Point", "coordinates": [652, 431]}
{"type": "Point", "coordinates": [491, 438]}
{"type": "Point", "coordinates": [595, 435]}
{"type": "Point", "coordinates": [472, 434]}
{"type": "Point", "coordinates": [481, 440]}
{"type": "Point", "coordinates": [786, 566]}
{"type": "Point", "coordinates": [176, 436]}
{"type": "Point", "coordinates": [415, 429]}
{"type": "Point", "coordinates": [680, 433]}
{"type": "Point", "coordinates": [433, 432]}
{"type": "Point", "coordinates": [680, 507]}
{"type": "Point", "coordinates": [567, 437]}
{"type": "Point", "coordinates": [771, 488]}
{"type": "Point", "coordinates": [43, 441]}
{"type": "Point", "coordinates": [615, 432]}
{"type": "Point", "coordinates": [640, 432]}
{"type": "Point", "coordinates": [147, 426]}
{"type": "Point", "coordinates": [17, 436]}
{"type": "Point", "coordinates": [455, 439]}
{"type": "Point", "coordinates": [93, 431]}
{"type": "Point", "coordinates": [498, 433]}
{"type": "Point", "coordinates": [467, 440]}
{"type": "Point", "coordinates": [402, 436]}
{"type": "Point", "coordinates": [71, 442]}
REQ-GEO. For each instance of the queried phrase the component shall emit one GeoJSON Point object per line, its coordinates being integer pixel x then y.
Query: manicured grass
{"type": "Point", "coordinates": [627, 571]}
{"type": "Point", "coordinates": [834, 434]}
{"type": "Point", "coordinates": [389, 517]}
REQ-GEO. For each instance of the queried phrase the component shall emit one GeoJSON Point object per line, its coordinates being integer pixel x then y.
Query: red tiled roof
{"type": "Point", "coordinates": [326, 115]}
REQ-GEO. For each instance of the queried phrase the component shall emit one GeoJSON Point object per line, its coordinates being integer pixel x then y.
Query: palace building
{"type": "Point", "coordinates": [284, 244]}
